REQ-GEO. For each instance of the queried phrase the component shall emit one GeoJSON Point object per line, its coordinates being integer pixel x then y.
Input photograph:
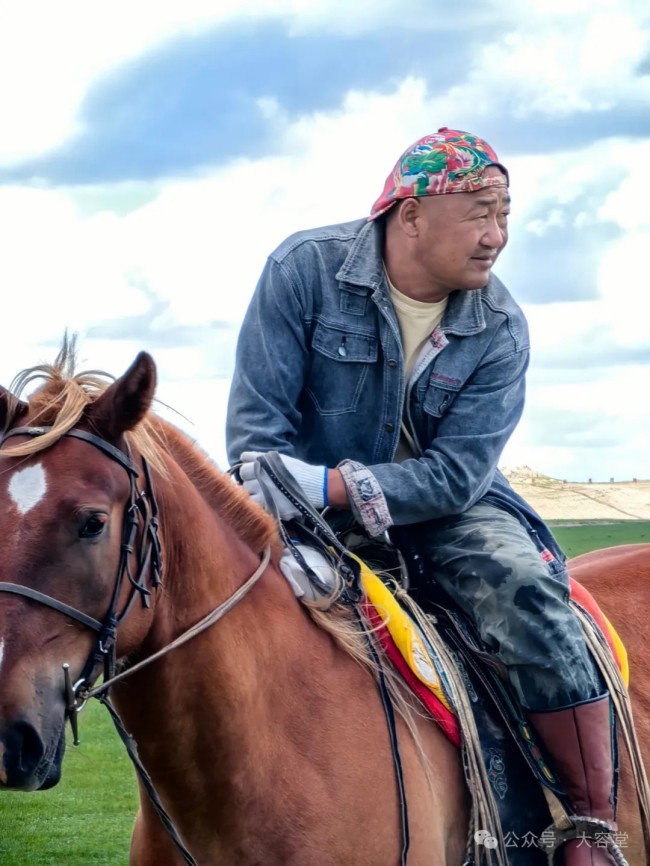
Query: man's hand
{"type": "Point", "coordinates": [312, 480]}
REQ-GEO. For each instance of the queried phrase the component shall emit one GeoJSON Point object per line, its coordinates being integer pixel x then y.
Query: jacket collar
{"type": "Point", "coordinates": [464, 314]}
{"type": "Point", "coordinates": [364, 263]}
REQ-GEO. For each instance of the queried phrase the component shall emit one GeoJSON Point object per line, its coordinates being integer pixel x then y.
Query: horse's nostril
{"type": "Point", "coordinates": [24, 749]}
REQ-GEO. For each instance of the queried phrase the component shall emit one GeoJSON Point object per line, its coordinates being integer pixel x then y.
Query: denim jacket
{"type": "Point", "coordinates": [319, 375]}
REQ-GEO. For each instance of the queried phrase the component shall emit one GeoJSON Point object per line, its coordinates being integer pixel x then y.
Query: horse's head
{"type": "Point", "coordinates": [69, 490]}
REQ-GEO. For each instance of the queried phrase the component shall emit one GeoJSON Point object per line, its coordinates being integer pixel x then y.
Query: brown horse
{"type": "Point", "coordinates": [264, 739]}
{"type": "Point", "coordinates": [266, 742]}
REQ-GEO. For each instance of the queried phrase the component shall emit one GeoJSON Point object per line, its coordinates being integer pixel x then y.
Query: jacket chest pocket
{"type": "Point", "coordinates": [430, 405]}
{"type": "Point", "coordinates": [339, 367]}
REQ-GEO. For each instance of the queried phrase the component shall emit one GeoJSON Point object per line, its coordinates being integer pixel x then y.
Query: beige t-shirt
{"type": "Point", "coordinates": [417, 321]}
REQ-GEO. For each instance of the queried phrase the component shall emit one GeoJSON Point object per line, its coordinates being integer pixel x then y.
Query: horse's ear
{"type": "Point", "coordinates": [125, 403]}
{"type": "Point", "coordinates": [11, 409]}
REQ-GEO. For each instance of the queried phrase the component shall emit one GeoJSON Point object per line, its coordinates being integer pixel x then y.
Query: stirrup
{"type": "Point", "coordinates": [583, 827]}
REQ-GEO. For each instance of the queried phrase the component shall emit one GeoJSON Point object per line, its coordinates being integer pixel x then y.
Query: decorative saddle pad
{"type": "Point", "coordinates": [408, 651]}
{"type": "Point", "coordinates": [581, 596]}
{"type": "Point", "coordinates": [416, 661]}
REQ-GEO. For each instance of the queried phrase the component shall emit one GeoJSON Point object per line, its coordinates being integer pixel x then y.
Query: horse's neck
{"type": "Point", "coordinates": [228, 693]}
{"type": "Point", "coordinates": [260, 735]}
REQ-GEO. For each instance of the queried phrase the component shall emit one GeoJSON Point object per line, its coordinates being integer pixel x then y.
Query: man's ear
{"type": "Point", "coordinates": [406, 216]}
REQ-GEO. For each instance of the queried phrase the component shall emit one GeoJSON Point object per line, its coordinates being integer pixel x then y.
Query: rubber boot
{"type": "Point", "coordinates": [578, 743]}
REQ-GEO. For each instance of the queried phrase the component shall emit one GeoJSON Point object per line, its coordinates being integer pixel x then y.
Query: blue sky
{"type": "Point", "coordinates": [153, 155]}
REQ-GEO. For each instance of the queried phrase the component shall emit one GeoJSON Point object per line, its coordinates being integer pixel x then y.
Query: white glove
{"type": "Point", "coordinates": [311, 479]}
{"type": "Point", "coordinates": [297, 578]}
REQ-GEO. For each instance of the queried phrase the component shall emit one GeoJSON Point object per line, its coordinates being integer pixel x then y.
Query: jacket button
{"type": "Point", "coordinates": [389, 427]}
{"type": "Point", "coordinates": [392, 362]}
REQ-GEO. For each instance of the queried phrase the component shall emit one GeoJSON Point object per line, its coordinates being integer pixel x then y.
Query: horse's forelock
{"type": "Point", "coordinates": [59, 401]}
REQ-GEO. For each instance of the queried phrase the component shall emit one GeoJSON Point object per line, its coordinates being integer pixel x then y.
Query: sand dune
{"type": "Point", "coordinates": [565, 500]}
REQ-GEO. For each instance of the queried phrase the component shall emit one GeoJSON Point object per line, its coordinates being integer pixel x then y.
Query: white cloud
{"type": "Point", "coordinates": [586, 426]}
{"type": "Point", "coordinates": [199, 244]}
{"type": "Point", "coordinates": [558, 61]}
{"type": "Point", "coordinates": [623, 286]}
{"type": "Point", "coordinates": [548, 185]}
{"type": "Point", "coordinates": [58, 268]}
{"type": "Point", "coordinates": [551, 59]}
{"type": "Point", "coordinates": [51, 53]}
{"type": "Point", "coordinates": [628, 204]}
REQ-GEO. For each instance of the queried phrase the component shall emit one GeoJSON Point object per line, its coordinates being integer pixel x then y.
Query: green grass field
{"type": "Point", "coordinates": [86, 820]}
{"type": "Point", "coordinates": [591, 536]}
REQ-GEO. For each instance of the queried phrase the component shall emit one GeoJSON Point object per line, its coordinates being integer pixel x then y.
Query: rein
{"type": "Point", "coordinates": [193, 631]}
{"type": "Point", "coordinates": [271, 465]}
{"type": "Point", "coordinates": [141, 508]}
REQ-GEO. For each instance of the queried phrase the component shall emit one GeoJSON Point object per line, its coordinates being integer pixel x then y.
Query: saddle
{"type": "Point", "coordinates": [522, 782]}
{"type": "Point", "coordinates": [449, 671]}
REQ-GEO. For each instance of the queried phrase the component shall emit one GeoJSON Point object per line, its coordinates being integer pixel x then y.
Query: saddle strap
{"type": "Point", "coordinates": [485, 813]}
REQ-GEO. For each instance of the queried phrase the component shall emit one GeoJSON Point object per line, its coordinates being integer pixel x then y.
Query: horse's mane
{"type": "Point", "coordinates": [253, 525]}
{"type": "Point", "coordinates": [60, 402]}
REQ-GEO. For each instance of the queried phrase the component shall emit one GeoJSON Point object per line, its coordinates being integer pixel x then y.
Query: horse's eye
{"type": "Point", "coordinates": [93, 527]}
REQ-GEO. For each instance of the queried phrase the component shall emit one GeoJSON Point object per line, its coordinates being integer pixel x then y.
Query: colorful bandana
{"type": "Point", "coordinates": [448, 161]}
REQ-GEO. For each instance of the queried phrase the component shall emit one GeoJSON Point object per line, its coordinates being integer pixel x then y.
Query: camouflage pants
{"type": "Point", "coordinates": [487, 561]}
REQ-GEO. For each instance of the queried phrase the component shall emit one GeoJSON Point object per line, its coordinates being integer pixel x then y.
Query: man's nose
{"type": "Point", "coordinates": [494, 236]}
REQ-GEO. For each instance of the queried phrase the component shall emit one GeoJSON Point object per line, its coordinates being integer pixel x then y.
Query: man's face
{"type": "Point", "coordinates": [460, 235]}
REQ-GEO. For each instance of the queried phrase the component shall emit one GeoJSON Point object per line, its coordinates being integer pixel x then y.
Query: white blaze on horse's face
{"type": "Point", "coordinates": [27, 487]}
{"type": "Point", "coordinates": [2, 651]}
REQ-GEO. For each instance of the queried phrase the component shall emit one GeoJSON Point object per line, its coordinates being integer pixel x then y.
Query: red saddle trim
{"type": "Point", "coordinates": [443, 717]}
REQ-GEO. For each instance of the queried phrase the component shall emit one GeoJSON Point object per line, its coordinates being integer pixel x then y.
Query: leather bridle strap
{"type": "Point", "coordinates": [141, 503]}
{"type": "Point", "coordinates": [141, 506]}
{"type": "Point", "coordinates": [271, 464]}
{"type": "Point", "coordinates": [141, 511]}
{"type": "Point", "coordinates": [48, 601]}
{"type": "Point", "coordinates": [33, 594]}
{"type": "Point", "coordinates": [75, 433]}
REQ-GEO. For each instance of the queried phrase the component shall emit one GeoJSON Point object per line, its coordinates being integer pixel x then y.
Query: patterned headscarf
{"type": "Point", "coordinates": [448, 161]}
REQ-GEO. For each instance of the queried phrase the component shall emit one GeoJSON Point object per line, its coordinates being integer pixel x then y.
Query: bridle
{"type": "Point", "coordinates": [141, 514]}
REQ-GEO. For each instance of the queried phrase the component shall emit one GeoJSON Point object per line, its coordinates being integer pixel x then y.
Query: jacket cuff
{"type": "Point", "coordinates": [367, 500]}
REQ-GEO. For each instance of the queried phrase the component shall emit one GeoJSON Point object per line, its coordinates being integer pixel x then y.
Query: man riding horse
{"type": "Point", "coordinates": [386, 364]}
